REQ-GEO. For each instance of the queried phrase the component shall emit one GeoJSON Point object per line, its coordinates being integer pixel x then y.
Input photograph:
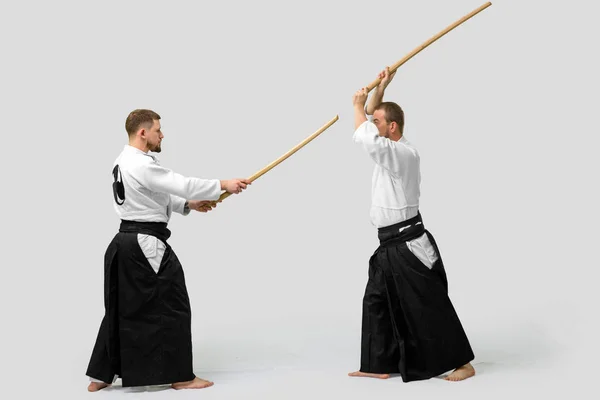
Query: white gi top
{"type": "Point", "coordinates": [152, 192]}
{"type": "Point", "coordinates": [395, 185]}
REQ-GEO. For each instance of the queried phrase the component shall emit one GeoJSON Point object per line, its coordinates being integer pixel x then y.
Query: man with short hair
{"type": "Point", "coordinates": [409, 324]}
{"type": "Point", "coordinates": [145, 335]}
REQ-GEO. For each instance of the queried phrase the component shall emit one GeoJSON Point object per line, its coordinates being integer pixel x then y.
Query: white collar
{"type": "Point", "coordinates": [130, 148]}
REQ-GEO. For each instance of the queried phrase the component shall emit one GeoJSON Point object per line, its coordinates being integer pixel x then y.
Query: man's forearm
{"type": "Point", "coordinates": [359, 115]}
{"type": "Point", "coordinates": [376, 99]}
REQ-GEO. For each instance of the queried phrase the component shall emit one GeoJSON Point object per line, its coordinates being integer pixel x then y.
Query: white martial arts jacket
{"type": "Point", "coordinates": [396, 178]}
{"type": "Point", "coordinates": [150, 192]}
{"type": "Point", "coordinates": [395, 187]}
{"type": "Point", "coordinates": [145, 191]}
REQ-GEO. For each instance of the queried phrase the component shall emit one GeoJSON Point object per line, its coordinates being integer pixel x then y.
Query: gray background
{"type": "Point", "coordinates": [500, 109]}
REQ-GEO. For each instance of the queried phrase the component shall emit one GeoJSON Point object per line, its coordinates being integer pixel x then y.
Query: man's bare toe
{"type": "Point", "coordinates": [196, 383]}
{"type": "Point", "coordinates": [95, 386]}
{"type": "Point", "coordinates": [461, 373]}
{"type": "Point", "coordinates": [369, 375]}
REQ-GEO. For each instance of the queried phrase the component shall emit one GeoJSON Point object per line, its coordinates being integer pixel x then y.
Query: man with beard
{"type": "Point", "coordinates": [409, 324]}
{"type": "Point", "coordinates": [145, 335]}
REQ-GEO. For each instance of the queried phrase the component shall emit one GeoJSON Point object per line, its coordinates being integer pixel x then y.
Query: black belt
{"type": "Point", "coordinates": [158, 229]}
{"type": "Point", "coordinates": [402, 231]}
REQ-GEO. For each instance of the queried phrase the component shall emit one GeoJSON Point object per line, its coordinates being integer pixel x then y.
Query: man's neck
{"type": "Point", "coordinates": [139, 146]}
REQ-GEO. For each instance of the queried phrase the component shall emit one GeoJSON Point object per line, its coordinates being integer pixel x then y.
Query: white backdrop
{"type": "Point", "coordinates": [501, 110]}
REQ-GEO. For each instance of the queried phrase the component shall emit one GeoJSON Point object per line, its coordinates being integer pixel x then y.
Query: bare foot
{"type": "Point", "coordinates": [196, 383]}
{"type": "Point", "coordinates": [461, 373]}
{"type": "Point", "coordinates": [95, 386]}
{"type": "Point", "coordinates": [369, 375]}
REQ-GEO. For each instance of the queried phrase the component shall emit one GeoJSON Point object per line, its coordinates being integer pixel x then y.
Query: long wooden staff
{"type": "Point", "coordinates": [416, 51]}
{"type": "Point", "coordinates": [286, 155]}
{"type": "Point", "coordinates": [371, 86]}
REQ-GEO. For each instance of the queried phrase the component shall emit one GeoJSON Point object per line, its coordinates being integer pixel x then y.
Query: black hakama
{"type": "Point", "coordinates": [409, 324]}
{"type": "Point", "coordinates": [145, 335]}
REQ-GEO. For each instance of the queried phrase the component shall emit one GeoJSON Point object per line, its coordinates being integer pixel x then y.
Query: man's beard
{"type": "Point", "coordinates": [156, 149]}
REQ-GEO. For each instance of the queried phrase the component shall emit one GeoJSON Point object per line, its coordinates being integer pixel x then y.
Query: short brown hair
{"type": "Point", "coordinates": [393, 113]}
{"type": "Point", "coordinates": [139, 117]}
